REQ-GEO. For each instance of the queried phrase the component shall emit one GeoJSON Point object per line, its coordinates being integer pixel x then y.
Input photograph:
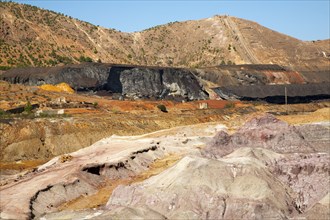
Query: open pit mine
{"type": "Point", "coordinates": [218, 118]}
{"type": "Point", "coordinates": [130, 142]}
{"type": "Point", "coordinates": [264, 169]}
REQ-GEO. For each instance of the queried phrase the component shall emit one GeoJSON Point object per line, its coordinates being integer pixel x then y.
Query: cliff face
{"type": "Point", "coordinates": [248, 75]}
{"type": "Point", "coordinates": [82, 76]}
{"type": "Point", "coordinates": [245, 82]}
{"type": "Point", "coordinates": [127, 81]}
{"type": "Point", "coordinates": [267, 82]}
{"type": "Point", "coordinates": [296, 93]}
{"type": "Point", "coordinates": [144, 82]}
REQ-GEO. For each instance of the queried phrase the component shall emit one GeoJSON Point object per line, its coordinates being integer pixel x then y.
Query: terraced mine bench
{"type": "Point", "coordinates": [296, 93]}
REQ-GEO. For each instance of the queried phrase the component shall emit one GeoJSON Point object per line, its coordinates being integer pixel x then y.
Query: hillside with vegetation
{"type": "Point", "coordinates": [30, 36]}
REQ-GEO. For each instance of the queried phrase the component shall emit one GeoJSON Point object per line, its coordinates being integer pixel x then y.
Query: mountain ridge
{"type": "Point", "coordinates": [30, 36]}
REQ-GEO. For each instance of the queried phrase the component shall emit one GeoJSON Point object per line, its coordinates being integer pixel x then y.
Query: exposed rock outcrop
{"type": "Point", "coordinates": [82, 76]}
{"type": "Point", "coordinates": [295, 93]}
{"type": "Point", "coordinates": [268, 83]}
{"type": "Point", "coordinates": [244, 82]}
{"type": "Point", "coordinates": [152, 82]}
{"type": "Point", "coordinates": [128, 81]}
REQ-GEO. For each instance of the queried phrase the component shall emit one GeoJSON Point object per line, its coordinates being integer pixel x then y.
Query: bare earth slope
{"type": "Point", "coordinates": [32, 36]}
{"type": "Point", "coordinates": [254, 182]}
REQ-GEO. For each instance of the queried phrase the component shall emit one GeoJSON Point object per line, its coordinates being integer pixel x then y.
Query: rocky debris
{"type": "Point", "coordinates": [267, 82]}
{"type": "Point", "coordinates": [320, 210]}
{"type": "Point", "coordinates": [266, 132]}
{"type": "Point", "coordinates": [78, 76]}
{"type": "Point", "coordinates": [296, 93]}
{"type": "Point", "coordinates": [318, 135]}
{"type": "Point", "coordinates": [21, 109]}
{"type": "Point", "coordinates": [244, 82]}
{"type": "Point", "coordinates": [306, 174]}
{"type": "Point", "coordinates": [65, 157]}
{"type": "Point", "coordinates": [134, 82]}
{"type": "Point", "coordinates": [47, 199]}
{"type": "Point", "coordinates": [260, 74]}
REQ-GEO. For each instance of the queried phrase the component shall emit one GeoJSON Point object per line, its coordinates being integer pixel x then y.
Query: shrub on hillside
{"type": "Point", "coordinates": [85, 59]}
{"type": "Point", "coordinates": [230, 105]}
{"type": "Point", "coordinates": [162, 108]}
{"type": "Point", "coordinates": [28, 107]}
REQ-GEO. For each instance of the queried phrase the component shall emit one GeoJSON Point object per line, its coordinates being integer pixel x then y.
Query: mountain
{"type": "Point", "coordinates": [30, 36]}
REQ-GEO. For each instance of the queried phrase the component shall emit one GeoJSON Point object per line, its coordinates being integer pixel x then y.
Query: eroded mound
{"type": "Point", "coordinates": [250, 183]}
{"type": "Point", "coordinates": [199, 188]}
{"type": "Point", "coordinates": [267, 169]}
{"type": "Point", "coordinates": [264, 132]}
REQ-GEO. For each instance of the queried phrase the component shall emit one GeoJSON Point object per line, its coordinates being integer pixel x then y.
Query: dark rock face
{"type": "Point", "coordinates": [250, 74]}
{"type": "Point", "coordinates": [267, 83]}
{"type": "Point", "coordinates": [296, 93]}
{"type": "Point", "coordinates": [129, 81]}
{"type": "Point", "coordinates": [82, 76]}
{"type": "Point", "coordinates": [154, 83]}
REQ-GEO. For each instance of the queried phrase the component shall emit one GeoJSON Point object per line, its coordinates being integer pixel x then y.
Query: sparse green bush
{"type": "Point", "coordinates": [85, 59]}
{"type": "Point", "coordinates": [2, 113]}
{"type": "Point", "coordinates": [5, 67]}
{"type": "Point", "coordinates": [95, 104]}
{"type": "Point", "coordinates": [28, 107]}
{"type": "Point", "coordinates": [162, 108]}
{"type": "Point", "coordinates": [230, 105]}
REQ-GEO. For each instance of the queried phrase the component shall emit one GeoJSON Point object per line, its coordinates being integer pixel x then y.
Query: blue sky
{"type": "Point", "coordinates": [305, 20]}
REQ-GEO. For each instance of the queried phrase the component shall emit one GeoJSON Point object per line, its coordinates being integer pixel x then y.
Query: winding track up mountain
{"type": "Point", "coordinates": [31, 36]}
{"type": "Point", "coordinates": [243, 47]}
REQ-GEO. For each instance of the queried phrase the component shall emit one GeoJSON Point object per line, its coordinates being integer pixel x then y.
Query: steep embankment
{"type": "Point", "coordinates": [44, 138]}
{"type": "Point", "coordinates": [245, 82]}
{"type": "Point", "coordinates": [267, 82]}
{"type": "Point", "coordinates": [31, 36]}
{"type": "Point", "coordinates": [127, 81]}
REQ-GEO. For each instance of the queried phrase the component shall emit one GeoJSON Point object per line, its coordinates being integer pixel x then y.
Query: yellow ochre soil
{"type": "Point", "coordinates": [61, 87]}
{"type": "Point", "coordinates": [320, 115]}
